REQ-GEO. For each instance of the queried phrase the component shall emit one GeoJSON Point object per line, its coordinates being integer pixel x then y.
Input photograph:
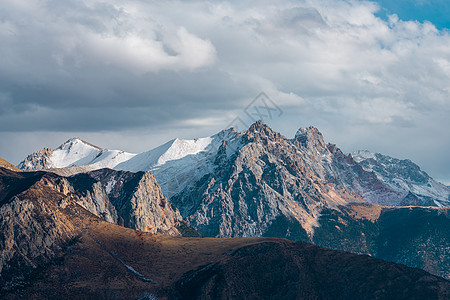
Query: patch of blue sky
{"type": "Point", "coordinates": [436, 12]}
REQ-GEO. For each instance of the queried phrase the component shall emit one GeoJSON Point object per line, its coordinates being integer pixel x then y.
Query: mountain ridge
{"type": "Point", "coordinates": [184, 160]}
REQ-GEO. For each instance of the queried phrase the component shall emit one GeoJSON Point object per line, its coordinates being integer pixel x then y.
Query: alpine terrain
{"type": "Point", "coordinates": [260, 183]}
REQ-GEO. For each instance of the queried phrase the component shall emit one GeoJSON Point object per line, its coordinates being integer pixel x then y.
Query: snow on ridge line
{"type": "Point", "coordinates": [73, 152]}
{"type": "Point", "coordinates": [77, 152]}
{"type": "Point", "coordinates": [181, 148]}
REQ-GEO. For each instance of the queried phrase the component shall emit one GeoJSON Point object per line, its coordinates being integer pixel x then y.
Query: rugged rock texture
{"type": "Point", "coordinates": [259, 189]}
{"type": "Point", "coordinates": [42, 213]}
{"type": "Point", "coordinates": [330, 164]}
{"type": "Point", "coordinates": [37, 161]}
{"type": "Point", "coordinates": [38, 208]}
{"type": "Point", "coordinates": [138, 201]}
{"type": "Point", "coordinates": [299, 189]}
{"type": "Point", "coordinates": [36, 222]}
{"type": "Point", "coordinates": [133, 200]}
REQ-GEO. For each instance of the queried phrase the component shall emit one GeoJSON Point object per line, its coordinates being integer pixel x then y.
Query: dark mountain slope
{"type": "Point", "coordinates": [162, 267]}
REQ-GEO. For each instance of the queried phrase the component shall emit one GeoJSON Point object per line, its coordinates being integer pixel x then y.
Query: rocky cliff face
{"type": "Point", "coordinates": [256, 188]}
{"type": "Point", "coordinates": [329, 163]}
{"type": "Point", "coordinates": [37, 161]}
{"type": "Point", "coordinates": [138, 201]}
{"type": "Point", "coordinates": [40, 212]}
{"type": "Point", "coordinates": [36, 222]}
{"type": "Point", "coordinates": [270, 185]}
{"type": "Point", "coordinates": [303, 189]}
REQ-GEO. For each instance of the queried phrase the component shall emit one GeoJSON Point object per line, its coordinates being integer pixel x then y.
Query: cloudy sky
{"type": "Point", "coordinates": [133, 74]}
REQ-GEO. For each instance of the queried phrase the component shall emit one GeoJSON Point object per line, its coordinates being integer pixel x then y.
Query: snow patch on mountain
{"type": "Point", "coordinates": [110, 185]}
{"type": "Point", "coordinates": [180, 163]}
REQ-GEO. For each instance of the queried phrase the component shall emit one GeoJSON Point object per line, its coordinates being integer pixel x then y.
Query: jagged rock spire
{"type": "Point", "coordinates": [310, 137]}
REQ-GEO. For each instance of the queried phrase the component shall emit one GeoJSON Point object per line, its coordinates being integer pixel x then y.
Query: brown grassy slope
{"type": "Point", "coordinates": [208, 268]}
{"type": "Point", "coordinates": [7, 165]}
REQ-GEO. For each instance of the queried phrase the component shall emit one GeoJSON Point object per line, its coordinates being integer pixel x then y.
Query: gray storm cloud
{"type": "Point", "coordinates": [71, 67]}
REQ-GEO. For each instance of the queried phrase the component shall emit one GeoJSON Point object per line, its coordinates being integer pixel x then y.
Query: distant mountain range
{"type": "Point", "coordinates": [260, 183]}
{"type": "Point", "coordinates": [181, 163]}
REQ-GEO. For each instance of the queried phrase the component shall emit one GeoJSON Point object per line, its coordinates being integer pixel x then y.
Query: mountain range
{"type": "Point", "coordinates": [255, 183]}
{"type": "Point", "coordinates": [375, 177]}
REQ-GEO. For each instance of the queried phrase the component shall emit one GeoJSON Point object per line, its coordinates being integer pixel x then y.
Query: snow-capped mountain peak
{"type": "Point", "coordinates": [74, 152]}
{"type": "Point", "coordinates": [77, 142]}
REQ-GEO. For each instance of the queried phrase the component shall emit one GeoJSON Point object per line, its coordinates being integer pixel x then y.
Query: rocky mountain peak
{"type": "Point", "coordinates": [259, 130]}
{"type": "Point", "coordinates": [259, 126]}
{"type": "Point", "coordinates": [37, 161]}
{"type": "Point", "coordinates": [310, 137]}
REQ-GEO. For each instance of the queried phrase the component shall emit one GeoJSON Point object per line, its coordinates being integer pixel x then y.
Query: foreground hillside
{"type": "Point", "coordinates": [5, 164]}
{"type": "Point", "coordinates": [107, 261]}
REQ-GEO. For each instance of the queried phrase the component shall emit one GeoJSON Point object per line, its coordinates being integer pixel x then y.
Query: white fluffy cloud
{"type": "Point", "coordinates": [333, 64]}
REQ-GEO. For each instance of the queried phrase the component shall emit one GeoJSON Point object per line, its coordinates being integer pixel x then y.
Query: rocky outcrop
{"type": "Point", "coordinates": [262, 188]}
{"type": "Point", "coordinates": [36, 222]}
{"type": "Point", "coordinates": [138, 201]}
{"type": "Point", "coordinates": [37, 161]}
{"type": "Point", "coordinates": [133, 200]}
{"type": "Point", "coordinates": [41, 212]}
